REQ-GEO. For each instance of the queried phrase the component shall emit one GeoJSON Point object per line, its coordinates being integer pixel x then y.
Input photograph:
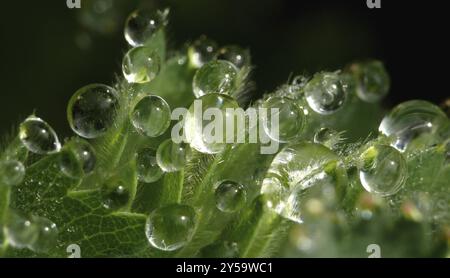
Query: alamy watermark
{"type": "Point", "coordinates": [228, 126]}
{"type": "Point", "coordinates": [374, 250]}
{"type": "Point", "coordinates": [73, 4]}
{"type": "Point", "coordinates": [74, 251]}
{"type": "Point", "coordinates": [374, 4]}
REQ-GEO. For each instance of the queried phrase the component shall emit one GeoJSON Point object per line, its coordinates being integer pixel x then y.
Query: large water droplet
{"type": "Point", "coordinates": [12, 172]}
{"type": "Point", "coordinates": [170, 228]}
{"type": "Point", "coordinates": [291, 119]}
{"type": "Point", "coordinates": [77, 158]}
{"type": "Point", "coordinates": [234, 54]}
{"type": "Point", "coordinates": [214, 77]}
{"type": "Point", "coordinates": [115, 196]}
{"type": "Point", "coordinates": [20, 231]}
{"type": "Point", "coordinates": [141, 25]}
{"type": "Point", "coordinates": [47, 235]}
{"type": "Point", "coordinates": [172, 157]}
{"type": "Point", "coordinates": [38, 136]}
{"type": "Point", "coordinates": [230, 196]}
{"type": "Point", "coordinates": [140, 65]}
{"type": "Point", "coordinates": [324, 93]}
{"type": "Point", "coordinates": [383, 170]}
{"type": "Point", "coordinates": [151, 116]}
{"type": "Point", "coordinates": [298, 170]}
{"type": "Point", "coordinates": [147, 167]}
{"type": "Point", "coordinates": [371, 80]}
{"type": "Point", "coordinates": [207, 120]}
{"type": "Point", "coordinates": [414, 120]}
{"type": "Point", "coordinates": [92, 110]}
{"type": "Point", "coordinates": [202, 51]}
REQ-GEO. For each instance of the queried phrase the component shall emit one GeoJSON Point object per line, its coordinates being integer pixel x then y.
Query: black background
{"type": "Point", "coordinates": [42, 65]}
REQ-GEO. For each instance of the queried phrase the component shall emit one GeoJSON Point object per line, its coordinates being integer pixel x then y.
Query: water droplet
{"type": "Point", "coordinates": [20, 231]}
{"type": "Point", "coordinates": [210, 134]}
{"type": "Point", "coordinates": [47, 235]}
{"type": "Point", "coordinates": [297, 171]}
{"type": "Point", "coordinates": [12, 172]}
{"type": "Point", "coordinates": [327, 137]}
{"type": "Point", "coordinates": [291, 119]}
{"type": "Point", "coordinates": [324, 93]}
{"type": "Point", "coordinates": [412, 120]}
{"type": "Point", "coordinates": [115, 196]}
{"type": "Point", "coordinates": [141, 25]}
{"type": "Point", "coordinates": [172, 157]}
{"type": "Point", "coordinates": [147, 167]}
{"type": "Point", "coordinates": [230, 196]}
{"type": "Point", "coordinates": [38, 136]}
{"type": "Point", "coordinates": [383, 170]}
{"type": "Point", "coordinates": [92, 110]}
{"type": "Point", "coordinates": [202, 51]}
{"type": "Point", "coordinates": [234, 54]}
{"type": "Point", "coordinates": [140, 65]}
{"type": "Point", "coordinates": [170, 228]}
{"type": "Point", "coordinates": [77, 158]}
{"type": "Point", "coordinates": [372, 80]}
{"type": "Point", "coordinates": [214, 77]}
{"type": "Point", "coordinates": [151, 116]}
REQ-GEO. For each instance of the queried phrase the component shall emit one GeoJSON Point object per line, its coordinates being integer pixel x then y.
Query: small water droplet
{"type": "Point", "coordinates": [170, 228]}
{"type": "Point", "coordinates": [172, 157]}
{"type": "Point", "coordinates": [151, 116]}
{"type": "Point", "coordinates": [20, 231]}
{"type": "Point", "coordinates": [371, 80]}
{"type": "Point", "coordinates": [92, 110]}
{"type": "Point", "coordinates": [140, 65]}
{"type": "Point", "coordinates": [412, 120]}
{"type": "Point", "coordinates": [77, 158]}
{"type": "Point", "coordinates": [210, 134]}
{"type": "Point", "coordinates": [47, 235]}
{"type": "Point", "coordinates": [234, 54]}
{"type": "Point", "coordinates": [296, 173]}
{"type": "Point", "coordinates": [383, 170]}
{"type": "Point", "coordinates": [38, 136]}
{"type": "Point", "coordinates": [12, 172]}
{"type": "Point", "coordinates": [115, 196]}
{"type": "Point", "coordinates": [202, 51]}
{"type": "Point", "coordinates": [214, 77]}
{"type": "Point", "coordinates": [230, 196]}
{"type": "Point", "coordinates": [141, 25]}
{"type": "Point", "coordinates": [291, 119]}
{"type": "Point", "coordinates": [147, 167]}
{"type": "Point", "coordinates": [324, 93]}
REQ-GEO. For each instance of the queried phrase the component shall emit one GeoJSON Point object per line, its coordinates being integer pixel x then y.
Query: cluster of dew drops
{"type": "Point", "coordinates": [92, 111]}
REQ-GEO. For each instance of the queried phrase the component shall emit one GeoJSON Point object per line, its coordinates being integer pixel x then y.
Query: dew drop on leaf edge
{"type": "Point", "coordinates": [148, 170]}
{"type": "Point", "coordinates": [140, 65]}
{"type": "Point", "coordinates": [383, 170]}
{"type": "Point", "coordinates": [217, 76]}
{"type": "Point", "coordinates": [38, 136]}
{"type": "Point", "coordinates": [230, 196]}
{"type": "Point", "coordinates": [12, 172]}
{"type": "Point", "coordinates": [172, 157]}
{"type": "Point", "coordinates": [171, 227]}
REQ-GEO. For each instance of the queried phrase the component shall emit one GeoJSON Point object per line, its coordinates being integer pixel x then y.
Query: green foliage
{"type": "Point", "coordinates": [90, 211]}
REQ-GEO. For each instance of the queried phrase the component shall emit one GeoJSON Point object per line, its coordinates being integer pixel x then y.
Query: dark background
{"type": "Point", "coordinates": [48, 51]}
